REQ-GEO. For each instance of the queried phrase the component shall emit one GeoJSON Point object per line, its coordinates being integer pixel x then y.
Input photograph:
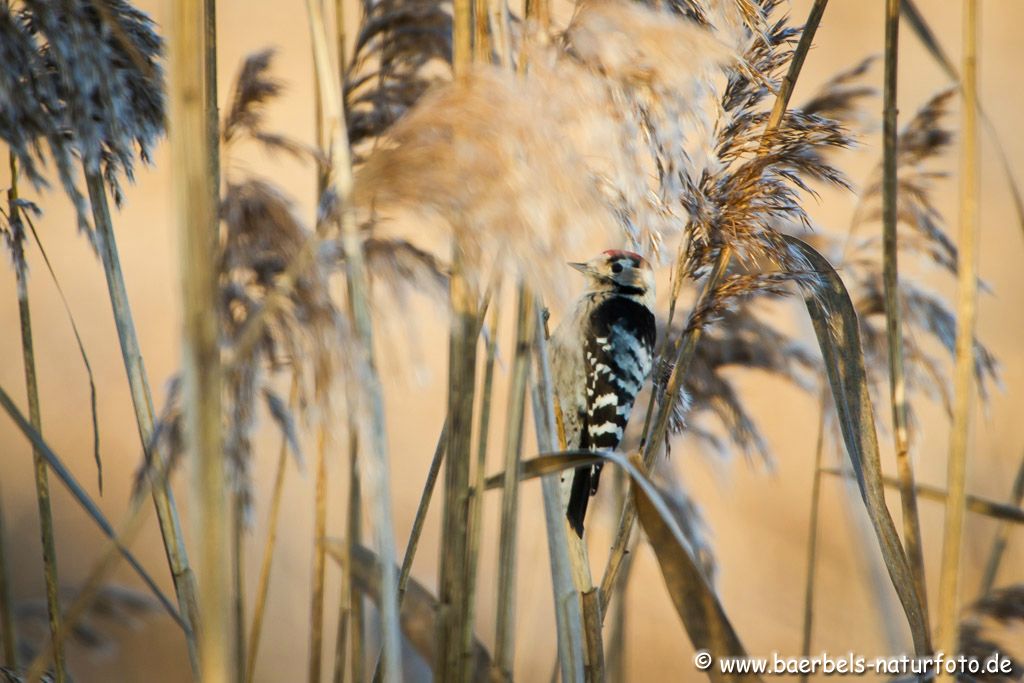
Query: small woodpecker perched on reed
{"type": "Point", "coordinates": [602, 353]}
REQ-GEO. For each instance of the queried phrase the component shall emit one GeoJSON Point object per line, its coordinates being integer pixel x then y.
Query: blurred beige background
{"type": "Point", "coordinates": [758, 519]}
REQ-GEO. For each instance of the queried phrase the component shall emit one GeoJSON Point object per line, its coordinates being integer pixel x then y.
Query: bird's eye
{"type": "Point", "coordinates": [616, 267]}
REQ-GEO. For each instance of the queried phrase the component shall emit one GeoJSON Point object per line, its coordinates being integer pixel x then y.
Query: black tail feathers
{"type": "Point", "coordinates": [579, 497]}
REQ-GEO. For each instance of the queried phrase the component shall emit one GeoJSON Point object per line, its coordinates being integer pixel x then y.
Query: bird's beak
{"type": "Point", "coordinates": [582, 267]}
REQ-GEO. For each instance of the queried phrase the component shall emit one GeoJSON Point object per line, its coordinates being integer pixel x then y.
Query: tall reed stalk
{"type": "Point", "coordinates": [504, 639]}
{"type": "Point", "coordinates": [197, 223]}
{"type": "Point", "coordinates": [263, 584]}
{"type": "Point", "coordinates": [28, 356]}
{"type": "Point", "coordinates": [142, 402]}
{"type": "Point", "coordinates": [811, 567]}
{"type": "Point", "coordinates": [454, 608]}
{"type": "Point", "coordinates": [476, 501]}
{"type": "Point", "coordinates": [893, 306]}
{"type": "Point", "coordinates": [568, 617]}
{"type": "Point", "coordinates": [375, 437]}
{"type": "Point", "coordinates": [963, 377]}
{"type": "Point", "coordinates": [316, 615]}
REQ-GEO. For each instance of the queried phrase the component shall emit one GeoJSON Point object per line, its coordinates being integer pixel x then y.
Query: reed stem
{"type": "Point", "coordinates": [238, 582]}
{"type": "Point", "coordinates": [504, 639]}
{"type": "Point", "coordinates": [812, 535]}
{"type": "Point", "coordinates": [142, 402]}
{"type": "Point", "coordinates": [28, 356]}
{"type": "Point", "coordinates": [375, 437]}
{"type": "Point", "coordinates": [893, 309]}
{"type": "Point", "coordinates": [476, 501]}
{"type": "Point", "coordinates": [967, 292]}
{"type": "Point", "coordinates": [568, 617]}
{"type": "Point", "coordinates": [316, 614]}
{"type": "Point", "coordinates": [263, 586]}
{"type": "Point", "coordinates": [461, 389]}
{"type": "Point", "coordinates": [197, 224]}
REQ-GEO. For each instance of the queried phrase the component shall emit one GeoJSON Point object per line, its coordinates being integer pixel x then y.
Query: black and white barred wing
{"type": "Point", "coordinates": [617, 357]}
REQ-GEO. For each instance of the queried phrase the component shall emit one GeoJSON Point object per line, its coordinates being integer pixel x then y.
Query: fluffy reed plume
{"type": "Point", "coordinates": [113, 606]}
{"type": "Point", "coordinates": [402, 48]}
{"type": "Point", "coordinates": [564, 136]}
{"type": "Point", "coordinates": [994, 624]}
{"type": "Point", "coordinates": [276, 311]}
{"type": "Point", "coordinates": [30, 106]}
{"type": "Point", "coordinates": [101, 61]}
{"type": "Point", "coordinates": [922, 237]}
{"type": "Point", "coordinates": [755, 183]}
{"type": "Point", "coordinates": [922, 141]}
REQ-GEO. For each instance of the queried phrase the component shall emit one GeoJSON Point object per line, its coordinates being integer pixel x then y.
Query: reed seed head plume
{"type": "Point", "coordinates": [31, 107]}
{"type": "Point", "coordinates": [922, 141]}
{"type": "Point", "coordinates": [526, 168]}
{"type": "Point", "coordinates": [402, 48]}
{"type": "Point", "coordinates": [104, 61]}
{"type": "Point", "coordinates": [742, 339]}
{"type": "Point", "coordinates": [276, 310]}
{"type": "Point", "coordinates": [254, 88]}
{"type": "Point", "coordinates": [755, 182]}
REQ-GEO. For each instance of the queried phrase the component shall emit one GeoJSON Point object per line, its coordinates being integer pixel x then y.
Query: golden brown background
{"type": "Point", "coordinates": [758, 518]}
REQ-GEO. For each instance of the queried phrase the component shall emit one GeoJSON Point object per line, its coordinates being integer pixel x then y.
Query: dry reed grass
{"type": "Point", "coordinates": [667, 129]}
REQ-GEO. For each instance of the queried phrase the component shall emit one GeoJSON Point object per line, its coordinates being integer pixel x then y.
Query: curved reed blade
{"type": "Point", "coordinates": [836, 327]}
{"type": "Point", "coordinates": [695, 600]}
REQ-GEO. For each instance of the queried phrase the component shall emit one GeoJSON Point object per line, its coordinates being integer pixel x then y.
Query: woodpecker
{"type": "Point", "coordinates": [602, 353]}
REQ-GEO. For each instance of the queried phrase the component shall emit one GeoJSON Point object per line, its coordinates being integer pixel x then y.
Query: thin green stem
{"type": "Point", "coordinates": [316, 613]}
{"type": "Point", "coordinates": [477, 492]}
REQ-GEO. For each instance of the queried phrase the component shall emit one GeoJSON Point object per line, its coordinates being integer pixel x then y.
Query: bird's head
{"type": "Point", "coordinates": [618, 271]}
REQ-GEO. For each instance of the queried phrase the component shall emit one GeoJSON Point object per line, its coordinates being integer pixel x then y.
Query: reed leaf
{"type": "Point", "coordinates": [836, 328]}
{"type": "Point", "coordinates": [695, 600]}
